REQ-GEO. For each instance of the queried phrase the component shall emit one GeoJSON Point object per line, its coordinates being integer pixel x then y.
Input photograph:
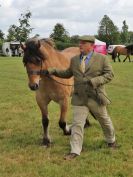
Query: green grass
{"type": "Point", "coordinates": [21, 153]}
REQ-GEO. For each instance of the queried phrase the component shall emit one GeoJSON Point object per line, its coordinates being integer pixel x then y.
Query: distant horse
{"type": "Point", "coordinates": [39, 55]}
{"type": "Point", "coordinates": [120, 51]}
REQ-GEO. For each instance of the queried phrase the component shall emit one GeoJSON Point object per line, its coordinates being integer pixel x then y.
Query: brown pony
{"type": "Point", "coordinates": [120, 51]}
{"type": "Point", "coordinates": [40, 55]}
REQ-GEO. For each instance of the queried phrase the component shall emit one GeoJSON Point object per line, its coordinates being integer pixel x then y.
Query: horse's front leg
{"type": "Point", "coordinates": [43, 104]}
{"type": "Point", "coordinates": [119, 58]}
{"type": "Point", "coordinates": [45, 123]}
{"type": "Point", "coordinates": [62, 121]}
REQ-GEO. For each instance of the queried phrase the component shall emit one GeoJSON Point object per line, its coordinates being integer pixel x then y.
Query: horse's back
{"type": "Point", "coordinates": [71, 52]}
{"type": "Point", "coordinates": [121, 50]}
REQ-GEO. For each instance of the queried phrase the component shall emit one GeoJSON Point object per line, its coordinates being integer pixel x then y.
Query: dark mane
{"type": "Point", "coordinates": [32, 53]}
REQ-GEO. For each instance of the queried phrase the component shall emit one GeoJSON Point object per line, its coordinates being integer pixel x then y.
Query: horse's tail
{"type": "Point", "coordinates": [114, 53]}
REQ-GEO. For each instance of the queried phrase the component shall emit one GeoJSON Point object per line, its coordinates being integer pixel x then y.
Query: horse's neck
{"type": "Point", "coordinates": [56, 60]}
{"type": "Point", "coordinates": [59, 59]}
{"type": "Point", "coordinates": [70, 52]}
{"type": "Point", "coordinates": [53, 59]}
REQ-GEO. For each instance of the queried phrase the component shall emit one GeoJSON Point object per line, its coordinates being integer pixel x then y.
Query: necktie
{"type": "Point", "coordinates": [82, 65]}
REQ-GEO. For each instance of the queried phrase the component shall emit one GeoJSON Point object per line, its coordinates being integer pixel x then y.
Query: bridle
{"type": "Point", "coordinates": [43, 72]}
{"type": "Point", "coordinates": [37, 72]}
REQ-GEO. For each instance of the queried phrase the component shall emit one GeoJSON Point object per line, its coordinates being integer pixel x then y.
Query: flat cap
{"type": "Point", "coordinates": [87, 38]}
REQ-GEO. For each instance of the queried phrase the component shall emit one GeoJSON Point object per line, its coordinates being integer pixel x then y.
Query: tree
{"type": "Point", "coordinates": [21, 32]}
{"type": "Point", "coordinates": [1, 39]}
{"type": "Point", "coordinates": [124, 33]}
{"type": "Point", "coordinates": [12, 33]}
{"type": "Point", "coordinates": [130, 39]}
{"type": "Point", "coordinates": [60, 34]}
{"type": "Point", "coordinates": [108, 32]}
{"type": "Point", "coordinates": [1, 35]}
{"type": "Point", "coordinates": [74, 39]}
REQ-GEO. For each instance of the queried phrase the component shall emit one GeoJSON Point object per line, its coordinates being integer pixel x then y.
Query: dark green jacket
{"type": "Point", "coordinates": [98, 71]}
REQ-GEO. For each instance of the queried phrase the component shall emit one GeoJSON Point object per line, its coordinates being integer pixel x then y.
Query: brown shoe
{"type": "Point", "coordinates": [70, 156]}
{"type": "Point", "coordinates": [113, 145]}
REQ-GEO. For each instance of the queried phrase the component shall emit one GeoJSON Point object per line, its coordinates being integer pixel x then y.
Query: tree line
{"type": "Point", "coordinates": [107, 32]}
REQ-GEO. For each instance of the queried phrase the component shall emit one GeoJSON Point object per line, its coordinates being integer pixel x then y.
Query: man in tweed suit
{"type": "Point", "coordinates": [89, 94]}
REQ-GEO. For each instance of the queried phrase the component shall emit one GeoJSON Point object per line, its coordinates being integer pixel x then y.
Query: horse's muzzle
{"type": "Point", "coordinates": [34, 87]}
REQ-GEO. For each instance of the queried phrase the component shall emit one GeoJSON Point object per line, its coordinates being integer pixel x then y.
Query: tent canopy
{"type": "Point", "coordinates": [98, 42]}
{"type": "Point", "coordinates": [100, 47]}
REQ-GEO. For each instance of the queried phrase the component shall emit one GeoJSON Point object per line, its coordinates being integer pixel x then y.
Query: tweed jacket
{"type": "Point", "coordinates": [98, 72]}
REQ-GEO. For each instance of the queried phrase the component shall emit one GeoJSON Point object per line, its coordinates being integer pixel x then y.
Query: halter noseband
{"type": "Point", "coordinates": [33, 72]}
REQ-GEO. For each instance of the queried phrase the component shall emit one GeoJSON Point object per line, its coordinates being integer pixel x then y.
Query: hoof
{"type": "Point", "coordinates": [67, 133]}
{"type": "Point", "coordinates": [67, 130]}
{"type": "Point", "coordinates": [46, 142]}
{"type": "Point", "coordinates": [87, 125]}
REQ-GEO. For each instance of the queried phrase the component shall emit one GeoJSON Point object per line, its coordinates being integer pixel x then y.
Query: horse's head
{"type": "Point", "coordinates": [33, 60]}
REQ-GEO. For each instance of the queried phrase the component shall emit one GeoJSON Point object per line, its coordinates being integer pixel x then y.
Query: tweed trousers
{"type": "Point", "coordinates": [80, 114]}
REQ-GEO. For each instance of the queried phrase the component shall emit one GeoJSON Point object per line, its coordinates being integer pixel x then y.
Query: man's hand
{"type": "Point", "coordinates": [51, 71]}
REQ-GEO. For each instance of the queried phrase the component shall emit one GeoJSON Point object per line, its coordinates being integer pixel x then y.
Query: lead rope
{"type": "Point", "coordinates": [78, 84]}
{"type": "Point", "coordinates": [71, 85]}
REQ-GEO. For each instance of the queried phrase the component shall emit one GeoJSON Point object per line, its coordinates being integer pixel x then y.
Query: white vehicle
{"type": "Point", "coordinates": [111, 48]}
{"type": "Point", "coordinates": [11, 48]}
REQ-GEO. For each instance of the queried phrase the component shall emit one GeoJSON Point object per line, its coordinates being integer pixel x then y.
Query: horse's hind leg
{"type": "Point", "coordinates": [62, 121]}
{"type": "Point", "coordinates": [125, 59]}
{"type": "Point", "coordinates": [129, 58]}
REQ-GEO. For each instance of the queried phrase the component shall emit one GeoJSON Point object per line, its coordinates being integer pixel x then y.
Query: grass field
{"type": "Point", "coordinates": [21, 153]}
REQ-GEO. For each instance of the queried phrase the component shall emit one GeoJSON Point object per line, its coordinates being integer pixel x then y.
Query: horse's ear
{"type": "Point", "coordinates": [39, 44]}
{"type": "Point", "coordinates": [23, 46]}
